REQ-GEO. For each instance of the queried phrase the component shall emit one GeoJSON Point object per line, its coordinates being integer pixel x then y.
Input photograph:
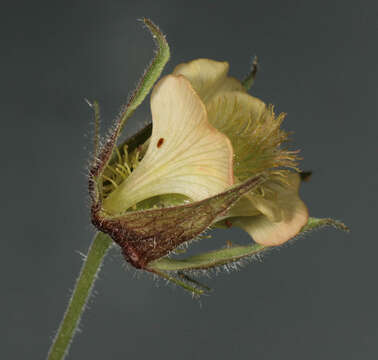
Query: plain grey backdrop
{"type": "Point", "coordinates": [315, 299]}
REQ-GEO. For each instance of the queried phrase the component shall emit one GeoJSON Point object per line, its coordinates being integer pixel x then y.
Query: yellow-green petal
{"type": "Point", "coordinates": [254, 131]}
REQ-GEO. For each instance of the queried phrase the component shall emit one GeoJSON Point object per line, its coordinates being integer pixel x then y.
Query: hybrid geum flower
{"type": "Point", "coordinates": [213, 156]}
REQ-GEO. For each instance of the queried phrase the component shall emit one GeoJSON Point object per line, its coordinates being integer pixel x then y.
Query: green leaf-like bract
{"type": "Point", "coordinates": [233, 254]}
{"type": "Point", "coordinates": [149, 78]}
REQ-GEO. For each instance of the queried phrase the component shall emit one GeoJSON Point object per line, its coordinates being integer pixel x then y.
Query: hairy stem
{"type": "Point", "coordinates": [92, 264]}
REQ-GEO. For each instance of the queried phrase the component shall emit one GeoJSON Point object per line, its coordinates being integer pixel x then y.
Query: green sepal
{"type": "Point", "coordinates": [207, 260]}
{"type": "Point", "coordinates": [251, 76]}
{"type": "Point", "coordinates": [318, 223]}
{"type": "Point", "coordinates": [168, 267]}
{"type": "Point", "coordinates": [152, 73]}
{"type": "Point", "coordinates": [147, 81]}
{"type": "Point", "coordinates": [195, 290]}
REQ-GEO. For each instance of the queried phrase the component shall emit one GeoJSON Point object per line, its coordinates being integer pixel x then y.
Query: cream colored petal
{"type": "Point", "coordinates": [282, 214]}
{"type": "Point", "coordinates": [186, 154]}
{"type": "Point", "coordinates": [208, 77]}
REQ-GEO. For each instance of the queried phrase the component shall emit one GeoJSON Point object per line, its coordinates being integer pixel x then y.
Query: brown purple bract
{"type": "Point", "coordinates": [148, 235]}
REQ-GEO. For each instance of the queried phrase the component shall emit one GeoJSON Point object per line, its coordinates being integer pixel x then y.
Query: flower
{"type": "Point", "coordinates": [208, 135]}
{"type": "Point", "coordinates": [214, 156]}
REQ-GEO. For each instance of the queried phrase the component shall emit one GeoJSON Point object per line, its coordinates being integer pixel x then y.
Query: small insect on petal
{"type": "Point", "coordinates": [160, 142]}
{"type": "Point", "coordinates": [228, 223]}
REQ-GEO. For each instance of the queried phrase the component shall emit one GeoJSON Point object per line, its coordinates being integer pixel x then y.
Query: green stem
{"type": "Point", "coordinates": [97, 251]}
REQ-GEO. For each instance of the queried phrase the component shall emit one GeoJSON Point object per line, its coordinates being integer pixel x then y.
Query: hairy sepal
{"type": "Point", "coordinates": [148, 235]}
{"type": "Point", "coordinates": [318, 223]}
{"type": "Point", "coordinates": [174, 268]}
{"type": "Point", "coordinates": [147, 81]}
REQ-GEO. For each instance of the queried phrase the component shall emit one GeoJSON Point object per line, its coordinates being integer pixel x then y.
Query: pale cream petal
{"type": "Point", "coordinates": [208, 77]}
{"type": "Point", "coordinates": [282, 213]}
{"type": "Point", "coordinates": [268, 233]}
{"type": "Point", "coordinates": [186, 154]}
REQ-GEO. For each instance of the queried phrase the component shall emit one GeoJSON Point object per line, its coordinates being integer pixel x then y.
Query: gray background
{"type": "Point", "coordinates": [316, 299]}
